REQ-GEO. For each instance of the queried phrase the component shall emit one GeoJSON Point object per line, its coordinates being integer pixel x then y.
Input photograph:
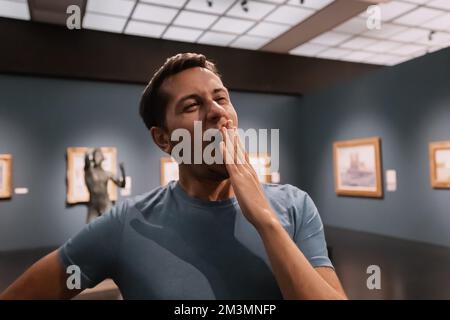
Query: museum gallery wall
{"type": "Point", "coordinates": [408, 108]}
{"type": "Point", "coordinates": [37, 129]}
{"type": "Point", "coordinates": [361, 129]}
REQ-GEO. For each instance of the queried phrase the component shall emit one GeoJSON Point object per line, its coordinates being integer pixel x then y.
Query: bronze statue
{"type": "Point", "coordinates": [97, 184]}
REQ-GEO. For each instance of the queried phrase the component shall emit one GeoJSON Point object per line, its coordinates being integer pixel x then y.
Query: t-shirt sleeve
{"type": "Point", "coordinates": [309, 234]}
{"type": "Point", "coordinates": [95, 248]}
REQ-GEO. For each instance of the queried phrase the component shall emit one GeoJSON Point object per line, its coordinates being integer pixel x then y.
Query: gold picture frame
{"type": "Point", "coordinates": [76, 187]}
{"type": "Point", "coordinates": [168, 170]}
{"type": "Point", "coordinates": [439, 155]}
{"type": "Point", "coordinates": [6, 169]}
{"type": "Point", "coordinates": [357, 167]}
{"type": "Point", "coordinates": [261, 163]}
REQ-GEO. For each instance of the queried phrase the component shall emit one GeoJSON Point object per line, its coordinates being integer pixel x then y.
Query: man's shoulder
{"type": "Point", "coordinates": [293, 205]}
{"type": "Point", "coordinates": [286, 193]}
{"type": "Point", "coordinates": [124, 209]}
{"type": "Point", "coordinates": [150, 199]}
{"type": "Point", "coordinates": [289, 200]}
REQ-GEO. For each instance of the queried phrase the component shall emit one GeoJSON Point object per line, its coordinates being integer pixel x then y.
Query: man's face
{"type": "Point", "coordinates": [197, 94]}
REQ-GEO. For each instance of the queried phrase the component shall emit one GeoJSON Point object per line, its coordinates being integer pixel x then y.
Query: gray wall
{"type": "Point", "coordinates": [40, 118]}
{"type": "Point", "coordinates": [408, 106]}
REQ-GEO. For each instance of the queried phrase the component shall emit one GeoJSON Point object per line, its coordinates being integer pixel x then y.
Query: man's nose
{"type": "Point", "coordinates": [215, 112]}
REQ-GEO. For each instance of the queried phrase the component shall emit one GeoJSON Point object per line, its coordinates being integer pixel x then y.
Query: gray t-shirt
{"type": "Point", "coordinates": [168, 245]}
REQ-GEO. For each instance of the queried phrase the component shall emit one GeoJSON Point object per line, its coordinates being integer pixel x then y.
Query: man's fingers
{"type": "Point", "coordinates": [233, 144]}
{"type": "Point", "coordinates": [231, 167]}
{"type": "Point", "coordinates": [239, 150]}
{"type": "Point", "coordinates": [242, 149]}
{"type": "Point", "coordinates": [229, 156]}
{"type": "Point", "coordinates": [228, 146]}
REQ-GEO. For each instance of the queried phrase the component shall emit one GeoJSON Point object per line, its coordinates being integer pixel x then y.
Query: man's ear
{"type": "Point", "coordinates": [162, 138]}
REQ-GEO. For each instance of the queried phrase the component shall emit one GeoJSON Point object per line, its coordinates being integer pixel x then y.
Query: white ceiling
{"type": "Point", "coordinates": [14, 9]}
{"type": "Point", "coordinates": [404, 35]}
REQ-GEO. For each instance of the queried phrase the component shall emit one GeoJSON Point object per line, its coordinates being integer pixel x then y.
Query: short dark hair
{"type": "Point", "coordinates": [153, 104]}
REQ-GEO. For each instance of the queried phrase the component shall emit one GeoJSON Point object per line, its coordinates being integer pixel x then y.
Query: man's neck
{"type": "Point", "coordinates": [205, 189]}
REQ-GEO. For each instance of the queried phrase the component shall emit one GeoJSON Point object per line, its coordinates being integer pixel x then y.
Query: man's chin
{"type": "Point", "coordinates": [217, 172]}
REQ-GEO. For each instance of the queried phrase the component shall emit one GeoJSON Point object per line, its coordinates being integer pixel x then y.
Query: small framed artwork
{"type": "Point", "coordinates": [169, 170]}
{"type": "Point", "coordinates": [76, 187]}
{"type": "Point", "coordinates": [5, 176]}
{"type": "Point", "coordinates": [357, 167]}
{"type": "Point", "coordinates": [261, 164]}
{"type": "Point", "coordinates": [439, 153]}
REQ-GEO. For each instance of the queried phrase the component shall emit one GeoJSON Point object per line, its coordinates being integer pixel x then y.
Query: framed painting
{"type": "Point", "coordinates": [5, 176]}
{"type": "Point", "coordinates": [76, 187]}
{"type": "Point", "coordinates": [439, 154]}
{"type": "Point", "coordinates": [169, 170]}
{"type": "Point", "coordinates": [357, 167]}
{"type": "Point", "coordinates": [261, 164]}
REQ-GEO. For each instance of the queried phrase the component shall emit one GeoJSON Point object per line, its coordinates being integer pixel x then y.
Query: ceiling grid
{"type": "Point", "coordinates": [410, 28]}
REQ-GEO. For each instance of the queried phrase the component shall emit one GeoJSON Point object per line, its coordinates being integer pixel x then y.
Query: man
{"type": "Point", "coordinates": [217, 233]}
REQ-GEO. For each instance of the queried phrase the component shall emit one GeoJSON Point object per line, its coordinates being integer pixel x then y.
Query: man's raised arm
{"type": "Point", "coordinates": [46, 279]}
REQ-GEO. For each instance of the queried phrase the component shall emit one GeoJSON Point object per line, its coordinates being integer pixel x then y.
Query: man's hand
{"type": "Point", "coordinates": [295, 276]}
{"type": "Point", "coordinates": [244, 180]}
